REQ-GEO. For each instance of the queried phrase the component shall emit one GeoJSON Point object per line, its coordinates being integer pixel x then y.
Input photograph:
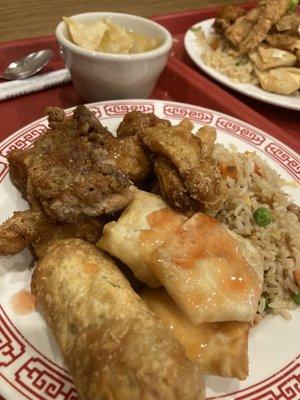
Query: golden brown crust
{"type": "Point", "coordinates": [129, 157]}
{"type": "Point", "coordinates": [197, 171]}
{"type": "Point", "coordinates": [135, 121]}
{"type": "Point", "coordinates": [68, 173]}
{"type": "Point", "coordinates": [31, 227]}
{"type": "Point", "coordinates": [219, 348]}
{"type": "Point", "coordinates": [113, 345]}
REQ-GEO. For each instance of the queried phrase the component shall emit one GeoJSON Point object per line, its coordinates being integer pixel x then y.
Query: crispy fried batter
{"type": "Point", "coordinates": [199, 173]}
{"type": "Point", "coordinates": [135, 121]}
{"type": "Point", "coordinates": [250, 30]}
{"type": "Point", "coordinates": [289, 23]}
{"type": "Point", "coordinates": [179, 145]}
{"type": "Point", "coordinates": [31, 227]}
{"type": "Point", "coordinates": [89, 230]}
{"type": "Point", "coordinates": [207, 134]}
{"type": "Point", "coordinates": [17, 168]}
{"type": "Point", "coordinates": [237, 32]}
{"type": "Point", "coordinates": [282, 41]}
{"type": "Point", "coordinates": [227, 16]}
{"type": "Point", "coordinates": [130, 157]}
{"type": "Point", "coordinates": [69, 172]}
{"type": "Point", "coordinates": [171, 185]}
{"type": "Point", "coordinates": [270, 14]}
{"type": "Point", "coordinates": [20, 230]}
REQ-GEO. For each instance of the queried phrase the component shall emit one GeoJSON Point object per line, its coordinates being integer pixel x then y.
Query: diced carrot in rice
{"type": "Point", "coordinates": [297, 276]}
{"type": "Point", "coordinates": [228, 170]}
{"type": "Point", "coordinates": [214, 44]}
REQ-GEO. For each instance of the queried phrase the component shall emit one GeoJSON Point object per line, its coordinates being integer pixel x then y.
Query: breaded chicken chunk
{"type": "Point", "coordinates": [248, 31]}
{"type": "Point", "coordinates": [199, 173]}
{"type": "Point", "coordinates": [135, 121]}
{"type": "Point", "coordinates": [32, 228]}
{"type": "Point", "coordinates": [68, 173]}
{"type": "Point", "coordinates": [129, 157]}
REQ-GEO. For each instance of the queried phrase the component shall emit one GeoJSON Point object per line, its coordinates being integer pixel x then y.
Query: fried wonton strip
{"type": "Point", "coordinates": [112, 344]}
{"type": "Point", "coordinates": [219, 348]}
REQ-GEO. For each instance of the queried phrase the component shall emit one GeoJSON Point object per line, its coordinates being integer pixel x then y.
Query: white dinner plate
{"type": "Point", "coordinates": [31, 366]}
{"type": "Point", "coordinates": [195, 50]}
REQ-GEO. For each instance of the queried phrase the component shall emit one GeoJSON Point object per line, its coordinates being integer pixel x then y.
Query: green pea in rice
{"type": "Point", "coordinates": [257, 185]}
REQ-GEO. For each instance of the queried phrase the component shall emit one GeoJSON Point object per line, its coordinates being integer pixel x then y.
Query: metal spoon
{"type": "Point", "coordinates": [28, 65]}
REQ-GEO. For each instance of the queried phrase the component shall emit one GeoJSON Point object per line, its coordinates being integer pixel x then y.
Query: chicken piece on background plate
{"type": "Point", "coordinates": [210, 272]}
{"type": "Point", "coordinates": [219, 348]}
{"type": "Point", "coordinates": [226, 17]}
{"type": "Point", "coordinates": [113, 345]}
{"type": "Point", "coordinates": [266, 58]}
{"type": "Point", "coordinates": [280, 80]}
{"type": "Point", "coordinates": [144, 225]}
{"type": "Point", "coordinates": [283, 41]}
{"type": "Point", "coordinates": [68, 174]}
{"type": "Point", "coordinates": [289, 23]}
{"type": "Point", "coordinates": [250, 30]}
{"type": "Point", "coordinates": [200, 174]}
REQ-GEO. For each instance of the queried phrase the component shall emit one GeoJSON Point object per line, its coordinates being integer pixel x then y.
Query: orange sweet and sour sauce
{"type": "Point", "coordinates": [204, 238]}
{"type": "Point", "coordinates": [161, 224]}
{"type": "Point", "coordinates": [23, 302]}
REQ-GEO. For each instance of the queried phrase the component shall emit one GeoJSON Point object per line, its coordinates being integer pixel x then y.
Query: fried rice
{"type": "Point", "coordinates": [257, 185]}
{"type": "Point", "coordinates": [225, 58]}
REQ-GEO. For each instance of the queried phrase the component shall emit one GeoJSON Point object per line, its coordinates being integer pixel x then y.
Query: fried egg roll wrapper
{"type": "Point", "coordinates": [219, 348]}
{"type": "Point", "coordinates": [113, 345]}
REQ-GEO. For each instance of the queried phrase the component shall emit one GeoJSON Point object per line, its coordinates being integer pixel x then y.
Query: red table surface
{"type": "Point", "coordinates": [179, 23]}
{"type": "Point", "coordinates": [178, 82]}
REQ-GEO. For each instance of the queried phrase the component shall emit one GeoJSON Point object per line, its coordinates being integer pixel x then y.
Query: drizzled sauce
{"type": "Point", "coordinates": [194, 339]}
{"type": "Point", "coordinates": [203, 238]}
{"type": "Point", "coordinates": [161, 224]}
{"type": "Point", "coordinates": [23, 302]}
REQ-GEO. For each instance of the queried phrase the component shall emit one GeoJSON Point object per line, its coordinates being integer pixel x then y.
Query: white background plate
{"type": "Point", "coordinates": [31, 366]}
{"type": "Point", "coordinates": [195, 50]}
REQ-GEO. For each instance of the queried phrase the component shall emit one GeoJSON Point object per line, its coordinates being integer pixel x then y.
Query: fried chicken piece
{"type": "Point", "coordinates": [180, 146]}
{"type": "Point", "coordinates": [69, 172]}
{"type": "Point", "coordinates": [250, 30]}
{"type": "Point", "coordinates": [226, 17]}
{"type": "Point", "coordinates": [207, 135]}
{"type": "Point", "coordinates": [289, 23]}
{"type": "Point", "coordinates": [89, 230]}
{"type": "Point", "coordinates": [17, 168]}
{"type": "Point", "coordinates": [31, 227]}
{"type": "Point", "coordinates": [237, 32]}
{"type": "Point", "coordinates": [200, 174]}
{"type": "Point", "coordinates": [171, 185]}
{"type": "Point", "coordinates": [283, 41]}
{"type": "Point", "coordinates": [135, 121]}
{"type": "Point", "coordinates": [20, 230]}
{"type": "Point", "coordinates": [270, 14]}
{"type": "Point", "coordinates": [129, 157]}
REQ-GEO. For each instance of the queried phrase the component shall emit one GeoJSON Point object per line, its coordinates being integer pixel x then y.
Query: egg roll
{"type": "Point", "coordinates": [113, 345]}
{"type": "Point", "coordinates": [219, 348]}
